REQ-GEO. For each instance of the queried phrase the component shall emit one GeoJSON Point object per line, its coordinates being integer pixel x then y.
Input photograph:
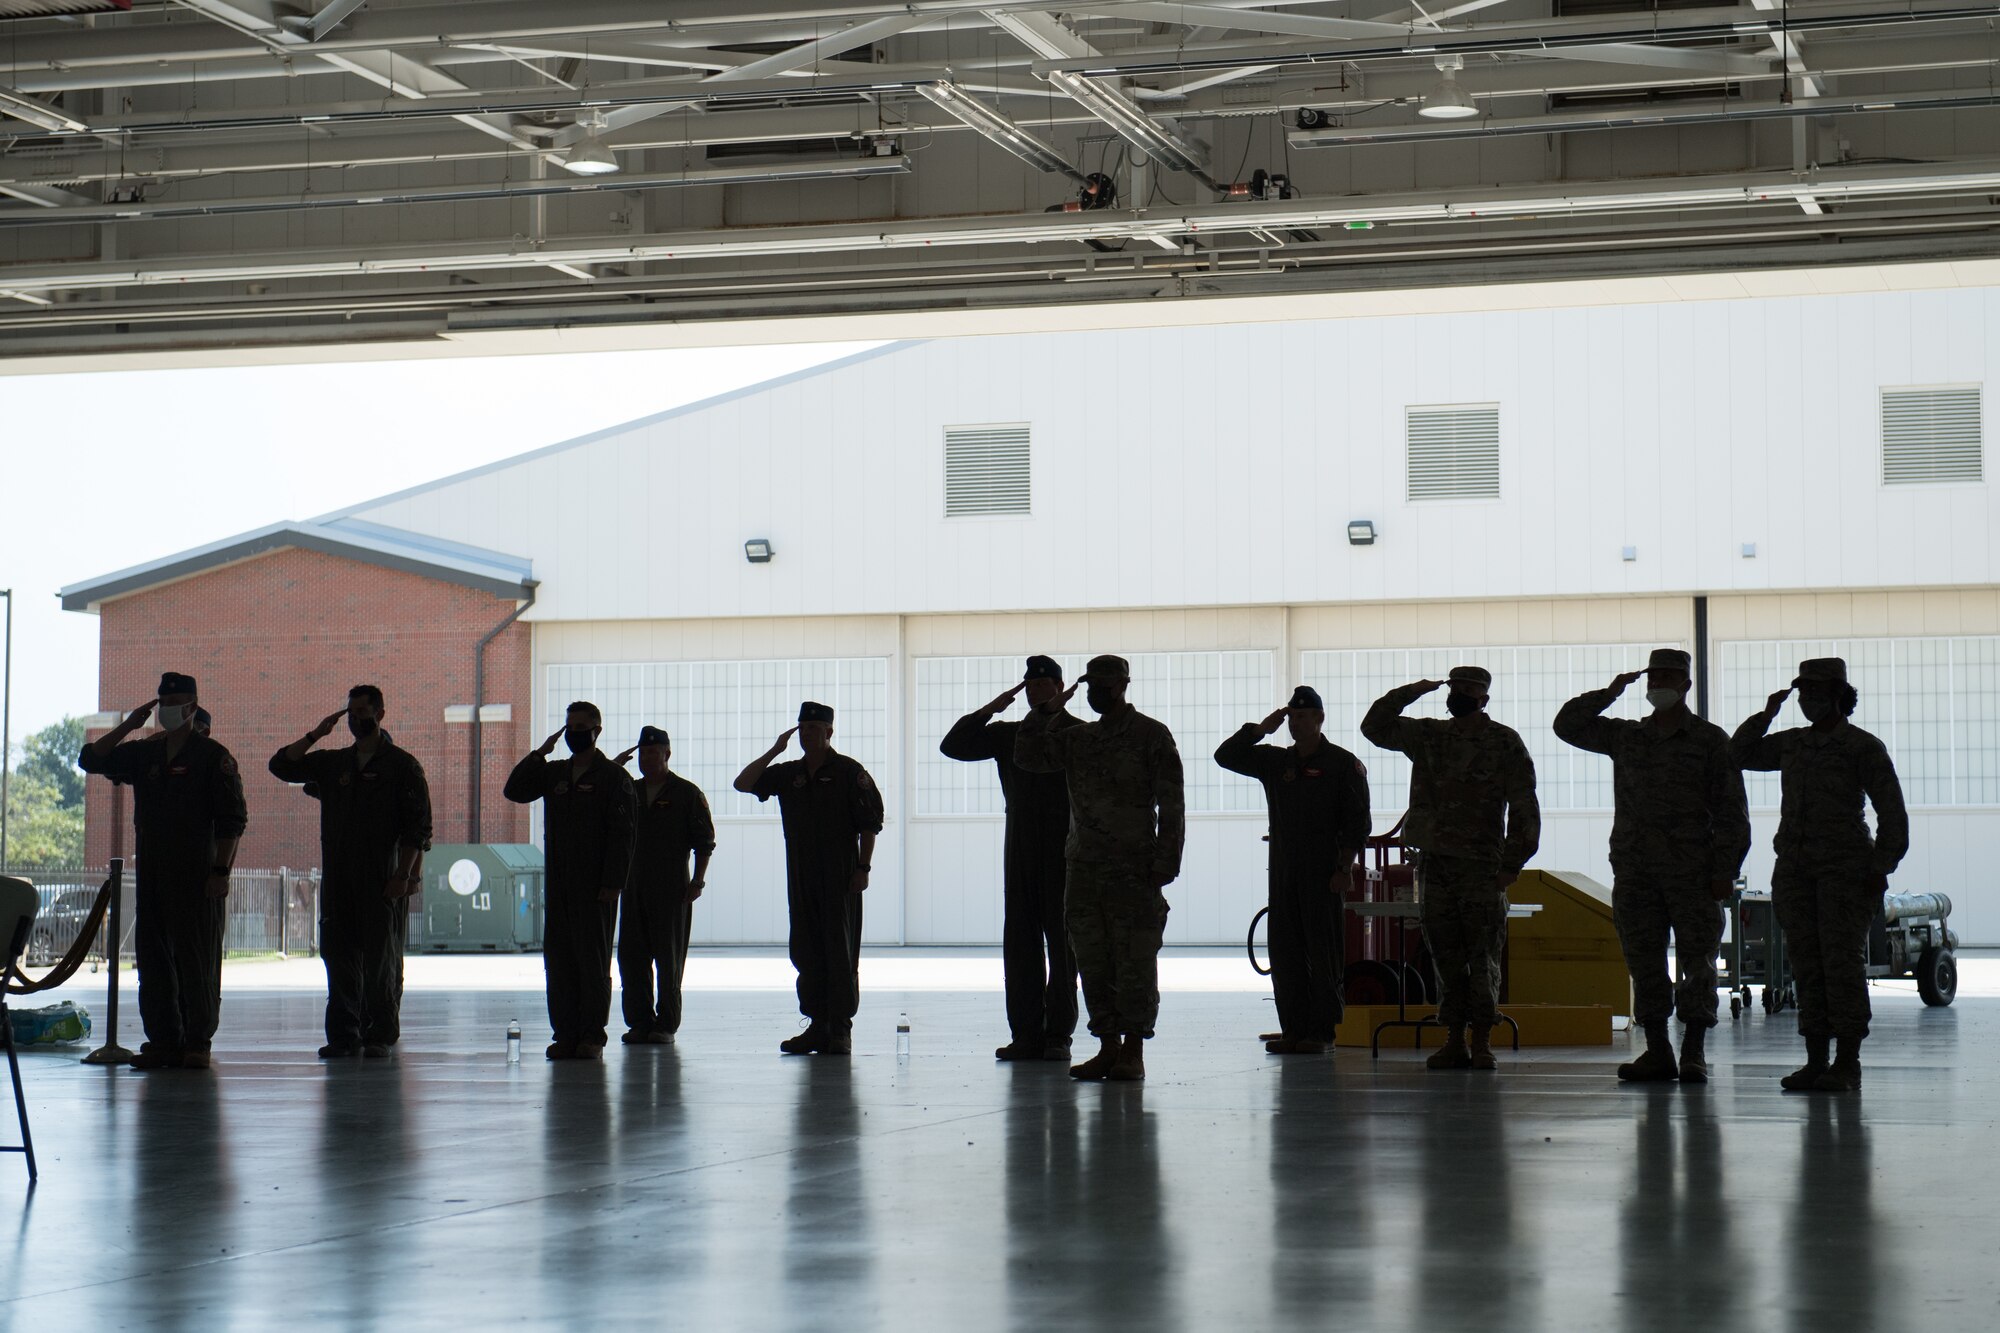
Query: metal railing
{"type": "Point", "coordinates": [270, 911]}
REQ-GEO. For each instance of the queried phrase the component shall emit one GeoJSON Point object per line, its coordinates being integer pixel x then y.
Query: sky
{"type": "Point", "coordinates": [102, 471]}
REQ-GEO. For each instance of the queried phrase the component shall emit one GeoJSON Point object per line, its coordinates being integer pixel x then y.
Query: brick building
{"type": "Point", "coordinates": [278, 624]}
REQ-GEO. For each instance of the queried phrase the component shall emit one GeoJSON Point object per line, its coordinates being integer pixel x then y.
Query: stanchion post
{"type": "Point", "coordinates": [111, 1053]}
{"type": "Point", "coordinates": [284, 912]}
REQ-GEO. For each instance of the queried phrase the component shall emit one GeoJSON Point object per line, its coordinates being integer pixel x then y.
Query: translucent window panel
{"type": "Point", "coordinates": [1201, 697]}
{"type": "Point", "coordinates": [1529, 684]}
{"type": "Point", "coordinates": [1934, 702]}
{"type": "Point", "coordinates": [721, 715]}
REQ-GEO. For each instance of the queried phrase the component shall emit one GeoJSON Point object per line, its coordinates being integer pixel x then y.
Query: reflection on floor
{"type": "Point", "coordinates": [716, 1185]}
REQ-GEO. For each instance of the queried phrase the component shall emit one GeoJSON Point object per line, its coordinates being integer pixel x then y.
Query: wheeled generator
{"type": "Point", "coordinates": [1909, 937]}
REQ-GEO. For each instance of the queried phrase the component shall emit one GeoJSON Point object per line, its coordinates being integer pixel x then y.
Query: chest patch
{"type": "Point", "coordinates": [177, 771]}
{"type": "Point", "coordinates": [561, 788]}
{"type": "Point", "coordinates": [1315, 773]}
{"type": "Point", "coordinates": [799, 781]}
{"type": "Point", "coordinates": [346, 779]}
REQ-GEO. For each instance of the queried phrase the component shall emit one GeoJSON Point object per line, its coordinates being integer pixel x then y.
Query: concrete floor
{"type": "Point", "coordinates": [716, 1185]}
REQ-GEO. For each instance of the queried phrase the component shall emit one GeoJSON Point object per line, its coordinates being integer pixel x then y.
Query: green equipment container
{"type": "Point", "coordinates": [480, 898]}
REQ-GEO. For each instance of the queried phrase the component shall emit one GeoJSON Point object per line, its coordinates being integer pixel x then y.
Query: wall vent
{"type": "Point", "coordinates": [1931, 435]}
{"type": "Point", "coordinates": [1452, 453]}
{"type": "Point", "coordinates": [985, 470]}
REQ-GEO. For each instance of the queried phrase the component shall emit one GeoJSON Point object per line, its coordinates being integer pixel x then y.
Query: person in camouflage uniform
{"type": "Point", "coordinates": [1475, 822]}
{"type": "Point", "coordinates": [1831, 874]}
{"type": "Point", "coordinates": [1126, 826]}
{"type": "Point", "coordinates": [1678, 839]}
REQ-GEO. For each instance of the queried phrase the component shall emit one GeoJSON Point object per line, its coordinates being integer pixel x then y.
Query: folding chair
{"type": "Point", "coordinates": [18, 904]}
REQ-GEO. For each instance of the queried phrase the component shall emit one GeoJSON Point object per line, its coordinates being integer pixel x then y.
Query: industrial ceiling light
{"type": "Point", "coordinates": [1360, 532]}
{"type": "Point", "coordinates": [37, 113]}
{"type": "Point", "coordinates": [1449, 102]}
{"type": "Point", "coordinates": [588, 156]}
{"type": "Point", "coordinates": [758, 551]}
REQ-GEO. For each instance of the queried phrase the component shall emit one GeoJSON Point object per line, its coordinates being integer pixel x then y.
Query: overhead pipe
{"type": "Point", "coordinates": [479, 704]}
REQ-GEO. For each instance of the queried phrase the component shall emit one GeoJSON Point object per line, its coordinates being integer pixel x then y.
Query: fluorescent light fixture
{"type": "Point", "coordinates": [41, 114]}
{"type": "Point", "coordinates": [975, 114]}
{"type": "Point", "coordinates": [1449, 102]}
{"type": "Point", "coordinates": [1133, 125]}
{"type": "Point", "coordinates": [758, 551]}
{"type": "Point", "coordinates": [588, 156]}
{"type": "Point", "coordinates": [1360, 532]}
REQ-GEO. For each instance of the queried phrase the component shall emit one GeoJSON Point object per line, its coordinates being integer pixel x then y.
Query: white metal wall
{"type": "Point", "coordinates": [1217, 466]}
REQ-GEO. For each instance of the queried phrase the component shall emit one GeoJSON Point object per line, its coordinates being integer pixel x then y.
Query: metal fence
{"type": "Point", "coordinates": [270, 911]}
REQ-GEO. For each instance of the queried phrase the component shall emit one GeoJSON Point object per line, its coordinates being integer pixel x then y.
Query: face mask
{"type": "Point", "coordinates": [362, 727]}
{"type": "Point", "coordinates": [1663, 698]}
{"type": "Point", "coordinates": [579, 739]}
{"type": "Point", "coordinates": [1461, 705]}
{"type": "Point", "coordinates": [1815, 707]}
{"type": "Point", "coordinates": [174, 716]}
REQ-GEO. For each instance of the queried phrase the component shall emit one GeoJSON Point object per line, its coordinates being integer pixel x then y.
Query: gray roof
{"type": "Point", "coordinates": [392, 548]}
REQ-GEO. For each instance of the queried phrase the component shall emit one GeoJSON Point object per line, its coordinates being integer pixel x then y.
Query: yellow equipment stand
{"type": "Point", "coordinates": [1568, 952]}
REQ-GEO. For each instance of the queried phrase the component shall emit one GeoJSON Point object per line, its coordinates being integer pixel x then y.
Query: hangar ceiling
{"type": "Point", "coordinates": [236, 173]}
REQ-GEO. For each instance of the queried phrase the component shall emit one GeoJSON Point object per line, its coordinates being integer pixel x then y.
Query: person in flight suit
{"type": "Point", "coordinates": [1475, 822]}
{"type": "Point", "coordinates": [1831, 874]}
{"type": "Point", "coordinates": [374, 828]}
{"type": "Point", "coordinates": [657, 914]}
{"type": "Point", "coordinates": [187, 800]}
{"type": "Point", "coordinates": [1127, 825]}
{"type": "Point", "coordinates": [587, 816]}
{"type": "Point", "coordinates": [832, 811]}
{"type": "Point", "coordinates": [1035, 954]}
{"type": "Point", "coordinates": [1318, 799]}
{"type": "Point", "coordinates": [1679, 834]}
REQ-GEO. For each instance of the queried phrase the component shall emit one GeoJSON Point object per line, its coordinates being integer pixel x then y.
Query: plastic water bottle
{"type": "Point", "coordinates": [514, 1043]}
{"type": "Point", "coordinates": [902, 1036]}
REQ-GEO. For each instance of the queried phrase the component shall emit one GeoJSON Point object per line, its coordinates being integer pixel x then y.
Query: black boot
{"type": "Point", "coordinates": [1845, 1074]}
{"type": "Point", "coordinates": [1694, 1059]}
{"type": "Point", "coordinates": [1656, 1063]}
{"type": "Point", "coordinates": [1806, 1076]}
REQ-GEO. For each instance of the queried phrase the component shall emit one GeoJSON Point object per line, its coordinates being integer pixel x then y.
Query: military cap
{"type": "Point", "coordinates": [1043, 668]}
{"type": "Point", "coordinates": [1305, 696]}
{"type": "Point", "coordinates": [1669, 659]}
{"type": "Point", "coordinates": [1472, 675]}
{"type": "Point", "coordinates": [812, 712]}
{"type": "Point", "coordinates": [1821, 671]}
{"type": "Point", "coordinates": [173, 682]}
{"type": "Point", "coordinates": [1108, 667]}
{"type": "Point", "coordinates": [653, 736]}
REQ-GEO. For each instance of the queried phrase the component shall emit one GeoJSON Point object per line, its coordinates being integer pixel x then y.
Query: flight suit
{"type": "Point", "coordinates": [1827, 884]}
{"type": "Point", "coordinates": [1318, 806]}
{"type": "Point", "coordinates": [587, 821]}
{"type": "Point", "coordinates": [183, 806]}
{"type": "Point", "coordinates": [1680, 823]}
{"type": "Point", "coordinates": [656, 914]}
{"type": "Point", "coordinates": [368, 813]}
{"type": "Point", "coordinates": [1035, 953]}
{"type": "Point", "coordinates": [1473, 817]}
{"type": "Point", "coordinates": [824, 813]}
{"type": "Point", "coordinates": [1127, 818]}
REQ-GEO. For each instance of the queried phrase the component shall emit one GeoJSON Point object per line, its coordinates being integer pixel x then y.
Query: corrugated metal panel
{"type": "Point", "coordinates": [22, 9]}
{"type": "Point", "coordinates": [985, 470]}
{"type": "Point", "coordinates": [1453, 453]}
{"type": "Point", "coordinates": [1931, 435]}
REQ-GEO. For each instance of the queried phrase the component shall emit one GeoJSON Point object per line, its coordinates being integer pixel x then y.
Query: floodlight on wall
{"type": "Point", "coordinates": [589, 156]}
{"type": "Point", "coordinates": [758, 551]}
{"type": "Point", "coordinates": [1360, 532]}
{"type": "Point", "coordinates": [1629, 552]}
{"type": "Point", "coordinates": [1749, 550]}
{"type": "Point", "coordinates": [1448, 101]}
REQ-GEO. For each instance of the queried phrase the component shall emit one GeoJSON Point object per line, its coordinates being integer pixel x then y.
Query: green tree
{"type": "Point", "coordinates": [51, 755]}
{"type": "Point", "coordinates": [40, 829]}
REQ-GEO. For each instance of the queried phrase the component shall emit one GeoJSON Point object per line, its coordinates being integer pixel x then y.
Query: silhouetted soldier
{"type": "Point", "coordinates": [1678, 839]}
{"type": "Point", "coordinates": [1318, 799]}
{"type": "Point", "coordinates": [658, 911]}
{"type": "Point", "coordinates": [1475, 822]}
{"type": "Point", "coordinates": [587, 817]}
{"type": "Point", "coordinates": [1035, 952]}
{"type": "Point", "coordinates": [832, 811]}
{"type": "Point", "coordinates": [1831, 875]}
{"type": "Point", "coordinates": [187, 801]}
{"type": "Point", "coordinates": [374, 828]}
{"type": "Point", "coordinates": [1126, 827]}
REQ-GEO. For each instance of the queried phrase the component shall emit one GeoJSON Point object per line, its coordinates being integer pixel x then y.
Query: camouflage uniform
{"type": "Point", "coordinates": [1827, 884]}
{"type": "Point", "coordinates": [1681, 824]}
{"type": "Point", "coordinates": [1473, 817]}
{"type": "Point", "coordinates": [1126, 828]}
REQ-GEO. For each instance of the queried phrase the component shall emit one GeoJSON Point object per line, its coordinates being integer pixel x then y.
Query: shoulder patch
{"type": "Point", "coordinates": [1361, 768]}
{"type": "Point", "coordinates": [229, 764]}
{"type": "Point", "coordinates": [861, 776]}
